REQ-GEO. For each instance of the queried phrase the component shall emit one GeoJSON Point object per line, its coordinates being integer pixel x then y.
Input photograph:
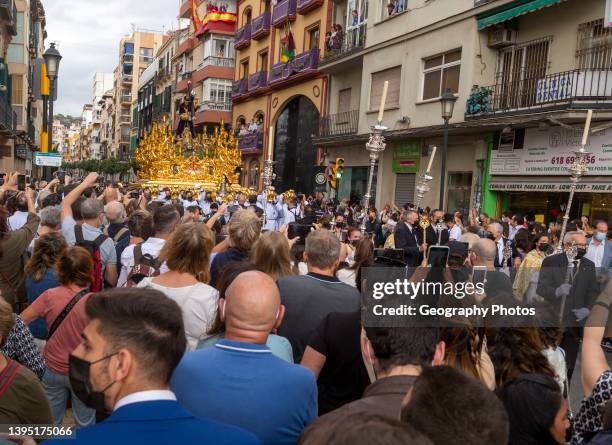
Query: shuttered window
{"type": "Point", "coordinates": [344, 100]}
{"type": "Point", "coordinates": [393, 75]}
{"type": "Point", "coordinates": [404, 188]}
{"type": "Point", "coordinates": [17, 98]}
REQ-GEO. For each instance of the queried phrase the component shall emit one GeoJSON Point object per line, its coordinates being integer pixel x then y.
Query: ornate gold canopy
{"type": "Point", "coordinates": [206, 162]}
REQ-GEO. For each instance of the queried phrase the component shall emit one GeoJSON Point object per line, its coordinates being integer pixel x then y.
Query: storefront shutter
{"type": "Point", "coordinates": [404, 188]}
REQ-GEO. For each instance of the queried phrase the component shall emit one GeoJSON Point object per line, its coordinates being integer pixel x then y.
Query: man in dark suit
{"type": "Point", "coordinates": [576, 285]}
{"type": "Point", "coordinates": [130, 348]}
{"type": "Point", "coordinates": [408, 239]}
{"type": "Point", "coordinates": [433, 233]}
{"type": "Point", "coordinates": [495, 233]}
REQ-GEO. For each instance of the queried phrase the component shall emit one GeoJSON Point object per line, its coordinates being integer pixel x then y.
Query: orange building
{"type": "Point", "coordinates": [204, 59]}
{"type": "Point", "coordinates": [277, 83]}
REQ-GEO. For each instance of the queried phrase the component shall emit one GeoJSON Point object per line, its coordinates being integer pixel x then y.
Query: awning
{"type": "Point", "coordinates": [588, 184]}
{"type": "Point", "coordinates": [512, 10]}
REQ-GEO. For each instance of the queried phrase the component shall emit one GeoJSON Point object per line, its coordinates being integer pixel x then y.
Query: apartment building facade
{"type": "Point", "coordinates": [277, 84]}
{"type": "Point", "coordinates": [523, 73]}
{"type": "Point", "coordinates": [204, 62]}
{"type": "Point", "coordinates": [25, 108]}
{"type": "Point", "coordinates": [136, 53]}
{"type": "Point", "coordinates": [102, 82]}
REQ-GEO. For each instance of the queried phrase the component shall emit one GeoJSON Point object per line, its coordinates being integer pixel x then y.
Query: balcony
{"type": "Point", "coordinates": [305, 6]}
{"type": "Point", "coordinates": [124, 138]}
{"type": "Point", "coordinates": [283, 11]}
{"type": "Point", "coordinates": [128, 58]}
{"type": "Point", "coordinates": [257, 81]}
{"type": "Point", "coordinates": [218, 61]}
{"type": "Point", "coordinates": [182, 81]}
{"type": "Point", "coordinates": [305, 62]}
{"type": "Point", "coordinates": [260, 26]}
{"type": "Point", "coordinates": [212, 105]}
{"type": "Point", "coordinates": [125, 119]}
{"type": "Point", "coordinates": [339, 124]}
{"type": "Point", "coordinates": [239, 87]}
{"type": "Point", "coordinates": [127, 78]}
{"type": "Point", "coordinates": [126, 98]}
{"type": "Point", "coordinates": [576, 89]}
{"type": "Point", "coordinates": [251, 142]}
{"type": "Point", "coordinates": [351, 43]}
{"type": "Point", "coordinates": [243, 37]}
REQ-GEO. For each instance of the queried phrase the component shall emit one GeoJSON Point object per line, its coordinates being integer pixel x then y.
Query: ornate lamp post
{"type": "Point", "coordinates": [52, 60]}
{"type": "Point", "coordinates": [447, 101]}
{"type": "Point", "coordinates": [375, 145]}
{"type": "Point", "coordinates": [576, 170]}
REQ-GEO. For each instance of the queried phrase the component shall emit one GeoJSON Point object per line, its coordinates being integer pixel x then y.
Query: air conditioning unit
{"type": "Point", "coordinates": [501, 37]}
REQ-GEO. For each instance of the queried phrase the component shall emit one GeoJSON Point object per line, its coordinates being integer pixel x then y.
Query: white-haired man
{"type": "Point", "coordinates": [495, 232]}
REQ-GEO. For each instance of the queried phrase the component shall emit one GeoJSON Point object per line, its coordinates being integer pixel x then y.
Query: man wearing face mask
{"type": "Point", "coordinates": [88, 230]}
{"type": "Point", "coordinates": [600, 249]}
{"type": "Point", "coordinates": [408, 239]}
{"type": "Point", "coordinates": [495, 233]}
{"type": "Point", "coordinates": [130, 348]}
{"type": "Point", "coordinates": [574, 284]}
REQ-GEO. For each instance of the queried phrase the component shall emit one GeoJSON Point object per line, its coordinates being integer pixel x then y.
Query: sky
{"type": "Point", "coordinates": [88, 34]}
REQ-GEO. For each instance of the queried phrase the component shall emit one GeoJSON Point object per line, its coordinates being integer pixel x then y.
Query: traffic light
{"type": "Point", "coordinates": [339, 167]}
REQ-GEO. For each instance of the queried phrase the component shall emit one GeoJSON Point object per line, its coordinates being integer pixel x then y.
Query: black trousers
{"type": "Point", "coordinates": [570, 344]}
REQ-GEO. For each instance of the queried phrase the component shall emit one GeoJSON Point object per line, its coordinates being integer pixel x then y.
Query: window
{"type": "Point", "coordinates": [594, 46]}
{"type": "Point", "coordinates": [441, 73]}
{"type": "Point", "coordinates": [17, 90]}
{"type": "Point", "coordinates": [393, 75]}
{"type": "Point", "coordinates": [263, 61]}
{"type": "Point", "coordinates": [244, 69]}
{"type": "Point", "coordinates": [146, 55]}
{"type": "Point", "coordinates": [392, 7]}
{"type": "Point", "coordinates": [246, 16]}
{"type": "Point", "coordinates": [312, 38]}
{"type": "Point", "coordinates": [218, 46]}
{"type": "Point", "coordinates": [128, 48]}
{"type": "Point", "coordinates": [344, 100]}
{"type": "Point", "coordinates": [217, 90]}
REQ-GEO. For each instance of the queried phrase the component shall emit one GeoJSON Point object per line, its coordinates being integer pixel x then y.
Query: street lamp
{"type": "Point", "coordinates": [447, 101]}
{"type": "Point", "coordinates": [52, 60]}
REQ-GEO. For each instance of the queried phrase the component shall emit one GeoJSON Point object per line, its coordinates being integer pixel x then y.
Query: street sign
{"type": "Point", "coordinates": [48, 159]}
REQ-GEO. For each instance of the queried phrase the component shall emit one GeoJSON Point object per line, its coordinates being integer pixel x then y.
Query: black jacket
{"type": "Point", "coordinates": [409, 242]}
{"type": "Point", "coordinates": [510, 262]}
{"type": "Point", "coordinates": [584, 287]}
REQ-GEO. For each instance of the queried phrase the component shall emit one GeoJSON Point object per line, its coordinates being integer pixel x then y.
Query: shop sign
{"type": "Point", "coordinates": [407, 157]}
{"type": "Point", "coordinates": [549, 153]}
{"type": "Point", "coordinates": [582, 187]}
{"type": "Point", "coordinates": [48, 159]}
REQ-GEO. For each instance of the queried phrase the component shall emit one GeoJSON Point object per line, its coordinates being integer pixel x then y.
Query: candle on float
{"type": "Point", "coordinates": [270, 140]}
{"type": "Point", "coordinates": [431, 159]}
{"type": "Point", "coordinates": [383, 99]}
{"type": "Point", "coordinates": [587, 127]}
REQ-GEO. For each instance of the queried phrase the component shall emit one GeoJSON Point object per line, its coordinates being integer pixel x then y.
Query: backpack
{"type": "Point", "coordinates": [144, 266]}
{"type": "Point", "coordinates": [93, 247]}
{"type": "Point", "coordinates": [122, 231]}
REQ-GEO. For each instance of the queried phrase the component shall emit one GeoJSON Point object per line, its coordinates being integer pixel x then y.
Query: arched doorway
{"type": "Point", "coordinates": [294, 152]}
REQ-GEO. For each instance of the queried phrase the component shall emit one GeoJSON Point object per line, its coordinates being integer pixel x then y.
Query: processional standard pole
{"type": "Point", "coordinates": [376, 146]}
{"type": "Point", "coordinates": [577, 169]}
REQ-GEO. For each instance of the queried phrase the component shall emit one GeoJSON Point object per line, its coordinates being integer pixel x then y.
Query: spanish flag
{"type": "Point", "coordinates": [288, 47]}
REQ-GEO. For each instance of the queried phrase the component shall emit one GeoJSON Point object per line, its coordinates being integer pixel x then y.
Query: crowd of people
{"type": "Point", "coordinates": [164, 316]}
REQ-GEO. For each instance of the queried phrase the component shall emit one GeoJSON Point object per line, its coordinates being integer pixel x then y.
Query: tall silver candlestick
{"type": "Point", "coordinates": [268, 176]}
{"type": "Point", "coordinates": [577, 169]}
{"type": "Point", "coordinates": [376, 145]}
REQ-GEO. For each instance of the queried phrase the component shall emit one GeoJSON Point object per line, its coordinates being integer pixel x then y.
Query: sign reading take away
{"type": "Point", "coordinates": [48, 159]}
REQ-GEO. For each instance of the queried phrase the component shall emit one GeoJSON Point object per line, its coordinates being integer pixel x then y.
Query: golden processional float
{"type": "Point", "coordinates": [207, 162]}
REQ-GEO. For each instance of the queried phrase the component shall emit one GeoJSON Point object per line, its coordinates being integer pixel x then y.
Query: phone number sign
{"type": "Point", "coordinates": [550, 152]}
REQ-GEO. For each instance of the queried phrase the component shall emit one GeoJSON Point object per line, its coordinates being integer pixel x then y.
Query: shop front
{"type": "Point", "coordinates": [533, 178]}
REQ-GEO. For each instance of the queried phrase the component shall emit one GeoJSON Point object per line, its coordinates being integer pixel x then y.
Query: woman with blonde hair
{"type": "Point", "coordinates": [271, 255]}
{"type": "Point", "coordinates": [187, 254]}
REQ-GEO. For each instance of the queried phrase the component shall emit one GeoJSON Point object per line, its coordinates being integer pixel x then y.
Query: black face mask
{"type": "Point", "coordinates": [490, 236]}
{"type": "Point", "coordinates": [544, 247]}
{"type": "Point", "coordinates": [355, 242]}
{"type": "Point", "coordinates": [580, 252]}
{"type": "Point", "coordinates": [78, 372]}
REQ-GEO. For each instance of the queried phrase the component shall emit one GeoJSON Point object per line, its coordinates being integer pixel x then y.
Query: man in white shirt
{"type": "Point", "coordinates": [454, 231]}
{"type": "Point", "coordinates": [18, 219]}
{"type": "Point", "coordinates": [600, 249]}
{"type": "Point", "coordinates": [165, 220]}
